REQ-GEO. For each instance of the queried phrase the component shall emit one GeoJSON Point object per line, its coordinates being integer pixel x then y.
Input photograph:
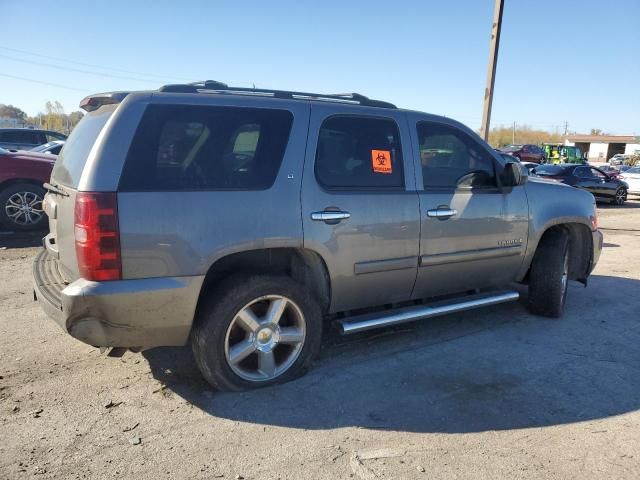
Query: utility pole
{"type": "Point", "coordinates": [513, 134]}
{"type": "Point", "coordinates": [566, 128]}
{"type": "Point", "coordinates": [491, 72]}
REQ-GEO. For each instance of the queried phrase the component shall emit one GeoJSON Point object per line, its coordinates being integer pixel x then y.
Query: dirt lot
{"type": "Point", "coordinates": [495, 393]}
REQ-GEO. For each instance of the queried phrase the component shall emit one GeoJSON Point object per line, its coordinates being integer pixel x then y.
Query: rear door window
{"type": "Point", "coordinates": [359, 153]}
{"type": "Point", "coordinates": [180, 147]}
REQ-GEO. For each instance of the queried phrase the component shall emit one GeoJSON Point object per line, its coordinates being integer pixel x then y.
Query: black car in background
{"type": "Point", "coordinates": [27, 138]}
{"type": "Point", "coordinates": [594, 180]}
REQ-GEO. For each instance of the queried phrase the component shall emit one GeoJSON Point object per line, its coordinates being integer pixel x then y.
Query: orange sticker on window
{"type": "Point", "coordinates": [381, 161]}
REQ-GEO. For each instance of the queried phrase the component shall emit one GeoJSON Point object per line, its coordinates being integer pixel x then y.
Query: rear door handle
{"type": "Point", "coordinates": [330, 216]}
{"type": "Point", "coordinates": [442, 213]}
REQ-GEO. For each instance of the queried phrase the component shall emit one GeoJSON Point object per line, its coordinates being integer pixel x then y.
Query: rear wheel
{"type": "Point", "coordinates": [620, 197]}
{"type": "Point", "coordinates": [21, 207]}
{"type": "Point", "coordinates": [256, 331]}
{"type": "Point", "coordinates": [549, 275]}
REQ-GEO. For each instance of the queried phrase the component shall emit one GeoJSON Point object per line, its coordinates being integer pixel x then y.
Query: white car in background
{"type": "Point", "coordinates": [617, 159]}
{"type": "Point", "coordinates": [632, 177]}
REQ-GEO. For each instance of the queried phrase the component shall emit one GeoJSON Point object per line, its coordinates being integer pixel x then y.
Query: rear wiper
{"type": "Point", "coordinates": [55, 189]}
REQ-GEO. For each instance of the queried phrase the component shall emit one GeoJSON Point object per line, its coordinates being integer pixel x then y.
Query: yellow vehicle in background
{"type": "Point", "coordinates": [559, 153]}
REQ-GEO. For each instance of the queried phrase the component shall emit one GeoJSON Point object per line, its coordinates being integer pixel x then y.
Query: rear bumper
{"type": "Point", "coordinates": [140, 313]}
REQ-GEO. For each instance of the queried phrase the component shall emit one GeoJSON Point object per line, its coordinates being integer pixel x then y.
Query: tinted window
{"type": "Point", "coordinates": [451, 158]}
{"type": "Point", "coordinates": [597, 173]}
{"type": "Point", "coordinates": [358, 152]}
{"type": "Point", "coordinates": [184, 147]}
{"type": "Point", "coordinates": [70, 163]}
{"type": "Point", "coordinates": [26, 137]}
{"type": "Point", "coordinates": [556, 170]}
{"type": "Point", "coordinates": [583, 172]}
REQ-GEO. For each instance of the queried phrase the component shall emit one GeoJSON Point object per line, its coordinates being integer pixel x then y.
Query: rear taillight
{"type": "Point", "coordinates": [594, 218]}
{"type": "Point", "coordinates": [97, 236]}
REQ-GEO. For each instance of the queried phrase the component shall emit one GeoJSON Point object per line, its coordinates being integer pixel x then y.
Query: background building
{"type": "Point", "coordinates": [603, 147]}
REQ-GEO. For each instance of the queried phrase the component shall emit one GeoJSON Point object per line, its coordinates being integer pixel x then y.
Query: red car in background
{"type": "Point", "coordinates": [22, 174]}
{"type": "Point", "coordinates": [526, 153]}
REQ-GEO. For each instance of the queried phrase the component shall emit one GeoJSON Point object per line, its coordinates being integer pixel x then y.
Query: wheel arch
{"type": "Point", "coordinates": [580, 248]}
{"type": "Point", "coordinates": [301, 264]}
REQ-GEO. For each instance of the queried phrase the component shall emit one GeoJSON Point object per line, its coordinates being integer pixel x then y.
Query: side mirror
{"type": "Point", "coordinates": [514, 174]}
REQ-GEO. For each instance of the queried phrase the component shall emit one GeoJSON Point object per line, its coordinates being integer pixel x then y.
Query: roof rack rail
{"type": "Point", "coordinates": [219, 87]}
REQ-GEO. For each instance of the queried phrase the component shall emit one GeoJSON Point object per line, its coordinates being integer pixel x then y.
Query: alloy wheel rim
{"type": "Point", "coordinates": [265, 338]}
{"type": "Point", "coordinates": [620, 196]}
{"type": "Point", "coordinates": [24, 208]}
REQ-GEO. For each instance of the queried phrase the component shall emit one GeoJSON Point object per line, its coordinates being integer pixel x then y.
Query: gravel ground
{"type": "Point", "coordinates": [495, 393]}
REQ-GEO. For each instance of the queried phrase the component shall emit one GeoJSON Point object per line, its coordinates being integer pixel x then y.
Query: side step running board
{"type": "Point", "coordinates": [369, 321]}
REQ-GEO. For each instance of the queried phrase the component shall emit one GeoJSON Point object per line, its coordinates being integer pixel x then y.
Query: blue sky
{"type": "Point", "coordinates": [574, 61]}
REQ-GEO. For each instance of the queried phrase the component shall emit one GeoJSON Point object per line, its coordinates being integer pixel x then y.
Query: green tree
{"type": "Point", "coordinates": [74, 118]}
{"type": "Point", "coordinates": [13, 112]}
{"type": "Point", "coordinates": [54, 117]}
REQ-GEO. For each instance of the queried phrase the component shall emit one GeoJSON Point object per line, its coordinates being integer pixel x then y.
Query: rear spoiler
{"type": "Point", "coordinates": [95, 101]}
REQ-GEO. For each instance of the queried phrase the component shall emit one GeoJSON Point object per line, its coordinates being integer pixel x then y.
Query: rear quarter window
{"type": "Point", "coordinates": [186, 147]}
{"type": "Point", "coordinates": [72, 159]}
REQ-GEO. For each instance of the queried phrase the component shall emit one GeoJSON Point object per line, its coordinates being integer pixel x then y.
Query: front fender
{"type": "Point", "coordinates": [552, 204]}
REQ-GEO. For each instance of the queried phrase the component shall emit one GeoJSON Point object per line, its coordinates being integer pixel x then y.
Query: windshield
{"type": "Point", "coordinates": [511, 148]}
{"type": "Point", "coordinates": [633, 170]}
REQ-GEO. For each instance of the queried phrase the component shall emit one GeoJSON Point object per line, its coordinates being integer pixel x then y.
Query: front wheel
{"type": "Point", "coordinates": [21, 207]}
{"type": "Point", "coordinates": [256, 331]}
{"type": "Point", "coordinates": [620, 197]}
{"type": "Point", "coordinates": [549, 275]}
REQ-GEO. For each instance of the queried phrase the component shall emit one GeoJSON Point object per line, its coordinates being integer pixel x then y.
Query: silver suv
{"type": "Point", "coordinates": [241, 220]}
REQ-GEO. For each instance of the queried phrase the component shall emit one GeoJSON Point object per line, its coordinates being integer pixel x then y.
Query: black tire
{"type": "Point", "coordinates": [547, 290]}
{"type": "Point", "coordinates": [620, 196]}
{"type": "Point", "coordinates": [221, 307]}
{"type": "Point", "coordinates": [11, 218]}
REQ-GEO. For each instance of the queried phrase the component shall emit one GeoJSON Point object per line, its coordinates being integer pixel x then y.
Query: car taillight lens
{"type": "Point", "coordinates": [97, 236]}
{"type": "Point", "coordinates": [594, 219]}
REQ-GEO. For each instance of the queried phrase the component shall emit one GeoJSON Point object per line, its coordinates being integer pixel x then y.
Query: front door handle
{"type": "Point", "coordinates": [330, 216]}
{"type": "Point", "coordinates": [442, 213]}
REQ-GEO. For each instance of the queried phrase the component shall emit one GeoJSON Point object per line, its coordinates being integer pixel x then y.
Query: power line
{"type": "Point", "coordinates": [44, 83]}
{"type": "Point", "coordinates": [90, 65]}
{"type": "Point", "coordinates": [78, 70]}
